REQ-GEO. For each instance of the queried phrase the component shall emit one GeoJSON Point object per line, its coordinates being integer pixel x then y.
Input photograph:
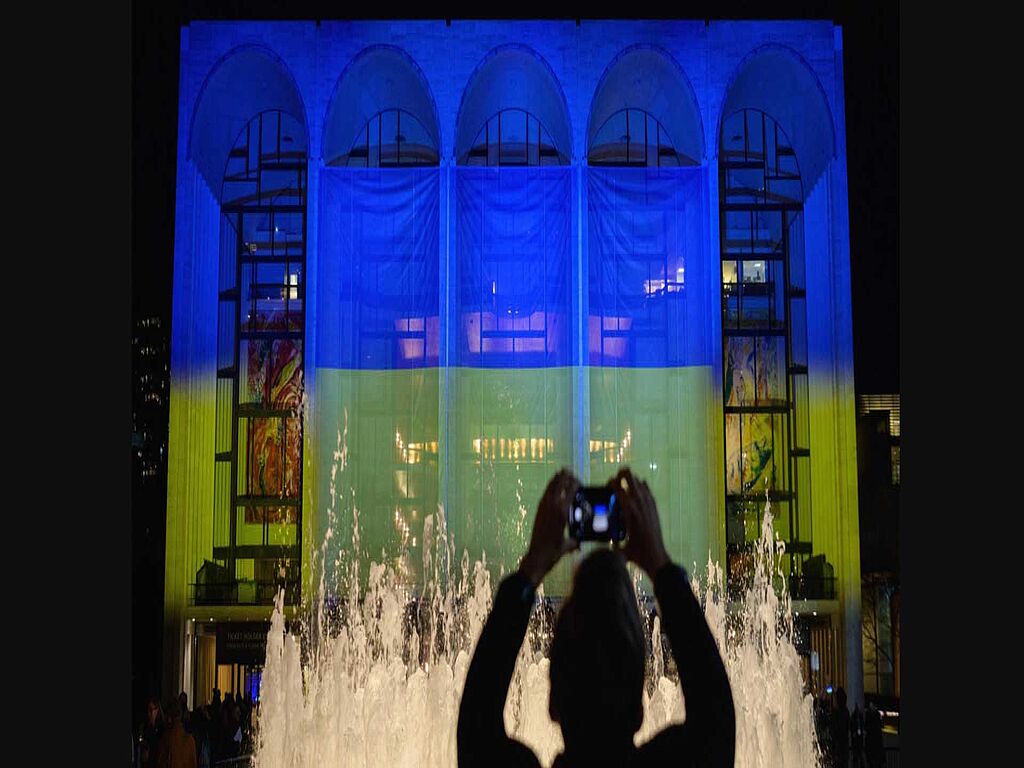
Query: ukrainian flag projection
{"type": "Point", "coordinates": [650, 345]}
{"type": "Point", "coordinates": [512, 381]}
{"type": "Point", "coordinates": [459, 366]}
{"type": "Point", "coordinates": [376, 397]}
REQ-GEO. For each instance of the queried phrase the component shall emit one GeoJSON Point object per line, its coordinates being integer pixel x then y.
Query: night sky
{"type": "Point", "coordinates": [871, 40]}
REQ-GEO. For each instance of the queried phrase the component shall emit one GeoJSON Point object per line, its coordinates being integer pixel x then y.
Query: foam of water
{"type": "Point", "coordinates": [377, 677]}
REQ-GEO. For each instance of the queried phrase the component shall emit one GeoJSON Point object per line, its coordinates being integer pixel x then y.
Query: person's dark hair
{"type": "Point", "coordinates": [598, 653]}
{"type": "Point", "coordinates": [173, 709]}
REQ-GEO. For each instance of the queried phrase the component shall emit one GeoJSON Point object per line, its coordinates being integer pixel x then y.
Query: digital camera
{"type": "Point", "coordinates": [594, 516]}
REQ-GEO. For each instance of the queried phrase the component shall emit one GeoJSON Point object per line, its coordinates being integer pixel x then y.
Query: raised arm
{"type": "Point", "coordinates": [708, 736]}
{"type": "Point", "coordinates": [481, 737]}
{"type": "Point", "coordinates": [482, 740]}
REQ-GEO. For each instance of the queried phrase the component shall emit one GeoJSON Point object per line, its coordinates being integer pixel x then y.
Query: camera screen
{"type": "Point", "coordinates": [593, 516]}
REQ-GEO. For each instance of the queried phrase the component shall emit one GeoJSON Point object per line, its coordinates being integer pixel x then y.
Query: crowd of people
{"type": "Point", "coordinates": [848, 739]}
{"type": "Point", "coordinates": [172, 736]}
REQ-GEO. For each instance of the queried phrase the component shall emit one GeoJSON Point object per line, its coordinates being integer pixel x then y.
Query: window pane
{"type": "Point", "coordinates": [513, 137]}
{"type": "Point", "coordinates": [739, 370]}
{"type": "Point", "coordinates": [389, 137]}
{"type": "Point", "coordinates": [265, 475]}
{"type": "Point", "coordinates": [770, 366]}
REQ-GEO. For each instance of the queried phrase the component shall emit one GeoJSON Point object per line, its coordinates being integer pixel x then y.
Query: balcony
{"type": "Point", "coordinates": [214, 585]}
{"type": "Point", "coordinates": [812, 587]}
{"type": "Point", "coordinates": [244, 592]}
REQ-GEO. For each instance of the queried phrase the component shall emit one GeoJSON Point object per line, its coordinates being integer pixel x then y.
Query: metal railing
{"type": "Point", "coordinates": [812, 587]}
{"type": "Point", "coordinates": [243, 593]}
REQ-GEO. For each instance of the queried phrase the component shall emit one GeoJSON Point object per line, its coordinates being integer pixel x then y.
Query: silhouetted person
{"type": "Point", "coordinates": [177, 747]}
{"type": "Point", "coordinates": [857, 737]}
{"type": "Point", "coordinates": [246, 723]}
{"type": "Point", "coordinates": [152, 730]}
{"type": "Point", "coordinates": [201, 733]}
{"type": "Point", "coordinates": [873, 737]}
{"type": "Point", "coordinates": [224, 732]}
{"type": "Point", "coordinates": [841, 731]}
{"type": "Point", "coordinates": [822, 719]}
{"type": "Point", "coordinates": [236, 730]}
{"type": "Point", "coordinates": [598, 651]}
{"type": "Point", "coordinates": [185, 714]}
{"type": "Point", "coordinates": [215, 704]}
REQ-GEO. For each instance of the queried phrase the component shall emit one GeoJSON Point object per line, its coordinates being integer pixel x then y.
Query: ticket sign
{"type": "Point", "coordinates": [242, 643]}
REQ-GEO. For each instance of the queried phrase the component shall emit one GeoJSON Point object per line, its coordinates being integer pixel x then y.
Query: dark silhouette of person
{"type": "Point", "coordinates": [237, 735]}
{"type": "Point", "coordinates": [227, 747]}
{"type": "Point", "coordinates": [201, 734]}
{"type": "Point", "coordinates": [598, 652]}
{"type": "Point", "coordinates": [873, 737]}
{"type": "Point", "coordinates": [841, 731]}
{"type": "Point", "coordinates": [822, 713]}
{"type": "Point", "coordinates": [857, 736]}
{"type": "Point", "coordinates": [177, 747]}
{"type": "Point", "coordinates": [185, 714]}
{"type": "Point", "coordinates": [152, 731]}
{"type": "Point", "coordinates": [213, 728]}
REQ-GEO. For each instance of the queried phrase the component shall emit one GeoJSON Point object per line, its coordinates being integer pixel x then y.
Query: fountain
{"type": "Point", "coordinates": [376, 678]}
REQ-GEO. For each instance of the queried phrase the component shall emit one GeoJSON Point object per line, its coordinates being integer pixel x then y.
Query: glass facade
{"type": "Point", "coordinates": [633, 137]}
{"type": "Point", "coordinates": [764, 350]}
{"type": "Point", "coordinates": [392, 138]}
{"type": "Point", "coordinates": [260, 352]}
{"type": "Point", "coordinates": [513, 137]}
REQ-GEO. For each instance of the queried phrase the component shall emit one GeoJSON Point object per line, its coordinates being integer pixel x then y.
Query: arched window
{"type": "Point", "coordinates": [634, 137]}
{"type": "Point", "coordinates": [391, 138]}
{"type": "Point", "coordinates": [261, 308]}
{"type": "Point", "coordinates": [644, 113]}
{"type": "Point", "coordinates": [513, 112]}
{"type": "Point", "coordinates": [764, 348]}
{"type": "Point", "coordinates": [513, 137]}
{"type": "Point", "coordinates": [381, 114]}
{"type": "Point", "coordinates": [510, 414]}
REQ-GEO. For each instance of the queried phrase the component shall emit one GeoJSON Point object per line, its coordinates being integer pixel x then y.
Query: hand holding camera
{"type": "Point", "coordinates": [548, 541]}
{"type": "Point", "coordinates": [622, 512]}
{"type": "Point", "coordinates": [645, 546]}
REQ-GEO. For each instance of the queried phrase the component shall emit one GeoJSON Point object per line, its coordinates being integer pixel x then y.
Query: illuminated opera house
{"type": "Point", "coordinates": [420, 266]}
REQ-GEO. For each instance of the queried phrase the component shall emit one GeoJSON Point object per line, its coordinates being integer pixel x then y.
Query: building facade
{"type": "Point", "coordinates": [150, 396]}
{"type": "Point", "coordinates": [421, 265]}
{"type": "Point", "coordinates": [878, 486]}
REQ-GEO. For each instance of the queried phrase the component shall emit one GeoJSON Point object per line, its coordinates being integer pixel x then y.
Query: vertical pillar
{"type": "Point", "coordinates": [845, 418]}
